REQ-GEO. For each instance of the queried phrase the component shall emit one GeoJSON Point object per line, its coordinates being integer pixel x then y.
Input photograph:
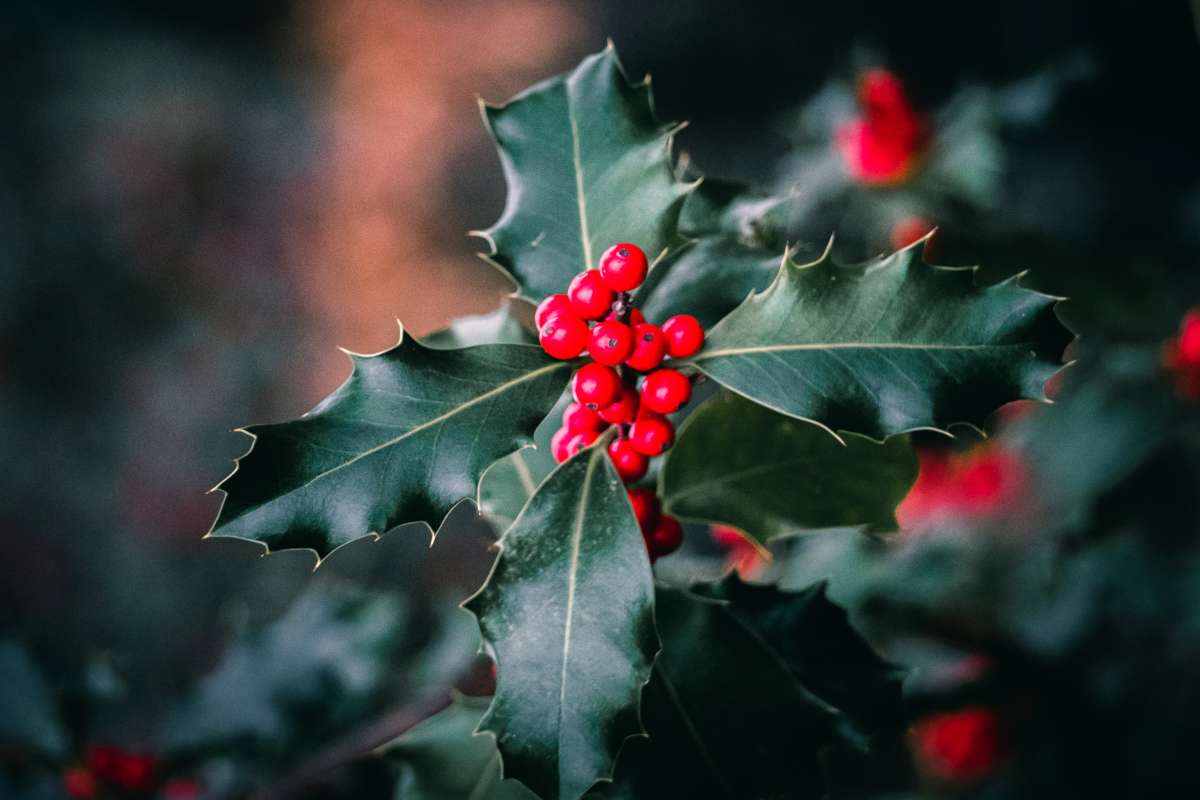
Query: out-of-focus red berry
{"type": "Point", "coordinates": [982, 482]}
{"type": "Point", "coordinates": [79, 783]}
{"type": "Point", "coordinates": [1181, 356]}
{"type": "Point", "coordinates": [666, 537]}
{"type": "Point", "coordinates": [558, 444]}
{"type": "Point", "coordinates": [885, 143]}
{"type": "Point", "coordinates": [909, 230]}
{"type": "Point", "coordinates": [959, 746]}
{"type": "Point", "coordinates": [189, 788]}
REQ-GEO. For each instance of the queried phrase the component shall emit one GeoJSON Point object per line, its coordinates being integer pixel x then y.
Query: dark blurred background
{"type": "Point", "coordinates": [198, 202]}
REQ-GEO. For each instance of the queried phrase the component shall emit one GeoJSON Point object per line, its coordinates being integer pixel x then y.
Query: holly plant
{"type": "Point", "coordinates": [662, 382]}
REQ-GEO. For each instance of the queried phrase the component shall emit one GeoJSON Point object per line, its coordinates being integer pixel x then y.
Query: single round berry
{"type": "Point", "coordinates": [554, 304]}
{"type": "Point", "coordinates": [645, 508]}
{"type": "Point", "coordinates": [636, 317]}
{"type": "Point", "coordinates": [611, 342]}
{"type": "Point", "coordinates": [649, 347]}
{"type": "Point", "coordinates": [564, 336]}
{"type": "Point", "coordinates": [651, 434]}
{"type": "Point", "coordinates": [623, 410]}
{"type": "Point", "coordinates": [623, 267]}
{"type": "Point", "coordinates": [579, 440]}
{"type": "Point", "coordinates": [578, 417]}
{"type": "Point", "coordinates": [596, 386]}
{"type": "Point", "coordinates": [666, 537]}
{"type": "Point", "coordinates": [666, 391]}
{"type": "Point", "coordinates": [684, 335]}
{"type": "Point", "coordinates": [631, 465]}
{"type": "Point", "coordinates": [590, 297]}
{"type": "Point", "coordinates": [558, 444]}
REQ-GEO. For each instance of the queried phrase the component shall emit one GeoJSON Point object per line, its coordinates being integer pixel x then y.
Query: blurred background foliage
{"type": "Point", "coordinates": [198, 201]}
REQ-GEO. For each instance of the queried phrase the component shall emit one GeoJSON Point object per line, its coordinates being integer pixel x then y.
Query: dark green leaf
{"type": "Point", "coordinates": [887, 347]}
{"type": "Point", "coordinates": [726, 717]}
{"type": "Point", "coordinates": [28, 715]}
{"type": "Point", "coordinates": [587, 166]}
{"type": "Point", "coordinates": [502, 326]}
{"type": "Point", "coordinates": [404, 439]}
{"type": "Point", "coordinates": [443, 758]}
{"type": "Point", "coordinates": [509, 483]}
{"type": "Point", "coordinates": [815, 639]}
{"type": "Point", "coordinates": [737, 251]}
{"type": "Point", "coordinates": [325, 656]}
{"type": "Point", "coordinates": [770, 475]}
{"type": "Point", "coordinates": [568, 613]}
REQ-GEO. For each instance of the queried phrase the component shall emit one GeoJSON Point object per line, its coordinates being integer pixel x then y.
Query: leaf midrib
{"type": "Point", "coordinates": [572, 572]}
{"type": "Point", "coordinates": [780, 348]}
{"type": "Point", "coordinates": [577, 164]}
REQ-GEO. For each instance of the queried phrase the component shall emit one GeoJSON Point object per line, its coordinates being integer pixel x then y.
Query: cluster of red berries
{"type": "Point", "coordinates": [108, 770]}
{"type": "Point", "coordinates": [596, 316]}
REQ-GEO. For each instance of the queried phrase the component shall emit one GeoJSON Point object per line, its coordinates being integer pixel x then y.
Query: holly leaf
{"type": "Point", "coordinates": [726, 718]}
{"type": "Point", "coordinates": [404, 439]}
{"type": "Point", "coordinates": [587, 166]}
{"type": "Point", "coordinates": [309, 672]}
{"type": "Point", "coordinates": [508, 484]}
{"type": "Point", "coordinates": [736, 251]}
{"type": "Point", "coordinates": [890, 346]}
{"type": "Point", "coordinates": [29, 718]}
{"type": "Point", "coordinates": [504, 325]}
{"type": "Point", "coordinates": [770, 475]}
{"type": "Point", "coordinates": [443, 758]}
{"type": "Point", "coordinates": [815, 639]}
{"type": "Point", "coordinates": [568, 615]}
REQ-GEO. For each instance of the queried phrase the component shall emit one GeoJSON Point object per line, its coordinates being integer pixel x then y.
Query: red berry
{"type": "Point", "coordinates": [909, 230]}
{"type": "Point", "coordinates": [564, 336]}
{"type": "Point", "coordinates": [579, 440]}
{"type": "Point", "coordinates": [666, 538]}
{"type": "Point", "coordinates": [651, 434]}
{"type": "Point", "coordinates": [961, 746]}
{"type": "Point", "coordinates": [558, 444]}
{"type": "Point", "coordinates": [684, 335]}
{"type": "Point", "coordinates": [666, 391]}
{"type": "Point", "coordinates": [595, 386]}
{"type": "Point", "coordinates": [590, 297]}
{"type": "Point", "coordinates": [623, 267]}
{"type": "Point", "coordinates": [135, 772]}
{"type": "Point", "coordinates": [79, 784]}
{"type": "Point", "coordinates": [649, 347]}
{"type": "Point", "coordinates": [645, 507]}
{"type": "Point", "coordinates": [631, 465]}
{"type": "Point", "coordinates": [623, 410]}
{"type": "Point", "coordinates": [727, 536]}
{"type": "Point", "coordinates": [611, 342]}
{"type": "Point", "coordinates": [554, 304]}
{"type": "Point", "coordinates": [581, 418]}
{"type": "Point", "coordinates": [636, 317]}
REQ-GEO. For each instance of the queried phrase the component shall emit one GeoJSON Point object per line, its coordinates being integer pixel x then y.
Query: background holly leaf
{"type": "Point", "coordinates": [444, 759]}
{"type": "Point", "coordinates": [771, 475]}
{"type": "Point", "coordinates": [404, 439]}
{"type": "Point", "coordinates": [726, 718]}
{"type": "Point", "coordinates": [568, 614]}
{"type": "Point", "coordinates": [587, 166]}
{"type": "Point", "coordinates": [508, 484]}
{"type": "Point", "coordinates": [310, 670]}
{"type": "Point", "coordinates": [886, 347]}
{"type": "Point", "coordinates": [29, 719]}
{"type": "Point", "coordinates": [507, 324]}
{"type": "Point", "coordinates": [736, 250]}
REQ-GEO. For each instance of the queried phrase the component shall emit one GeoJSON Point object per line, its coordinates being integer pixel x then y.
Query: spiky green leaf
{"type": "Point", "coordinates": [726, 717]}
{"type": "Point", "coordinates": [404, 439]}
{"type": "Point", "coordinates": [587, 166]}
{"type": "Point", "coordinates": [568, 613]}
{"type": "Point", "coordinates": [444, 759]}
{"type": "Point", "coordinates": [502, 326]}
{"type": "Point", "coordinates": [886, 347]}
{"type": "Point", "coordinates": [771, 475]}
